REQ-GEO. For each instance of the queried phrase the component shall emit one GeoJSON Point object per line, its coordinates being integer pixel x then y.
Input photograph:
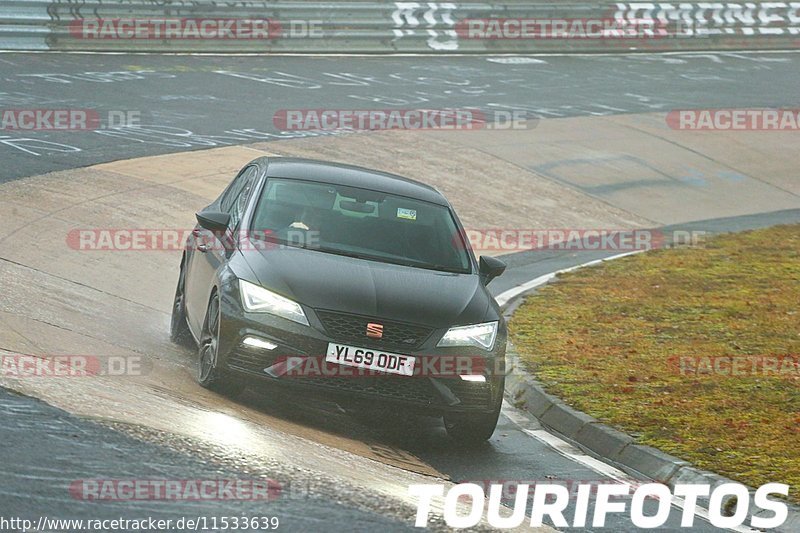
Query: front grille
{"type": "Point", "coordinates": [413, 390]}
{"type": "Point", "coordinates": [353, 328]}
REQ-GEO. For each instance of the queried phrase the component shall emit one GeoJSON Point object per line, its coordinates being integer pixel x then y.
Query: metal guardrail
{"type": "Point", "coordinates": [389, 27]}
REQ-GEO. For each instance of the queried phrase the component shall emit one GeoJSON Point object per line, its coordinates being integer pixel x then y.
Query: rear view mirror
{"type": "Point", "coordinates": [490, 268]}
{"type": "Point", "coordinates": [357, 207]}
{"type": "Point", "coordinates": [214, 221]}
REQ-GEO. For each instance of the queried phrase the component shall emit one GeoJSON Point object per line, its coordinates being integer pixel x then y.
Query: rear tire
{"type": "Point", "coordinates": [178, 328]}
{"type": "Point", "coordinates": [472, 429]}
{"type": "Point", "coordinates": [209, 375]}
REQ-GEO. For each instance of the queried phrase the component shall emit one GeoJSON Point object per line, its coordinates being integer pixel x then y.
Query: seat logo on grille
{"type": "Point", "coordinates": [374, 330]}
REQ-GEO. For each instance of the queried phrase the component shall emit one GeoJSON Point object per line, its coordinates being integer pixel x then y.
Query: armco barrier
{"type": "Point", "coordinates": [390, 27]}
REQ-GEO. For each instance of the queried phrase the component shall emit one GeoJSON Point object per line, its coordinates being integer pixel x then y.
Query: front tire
{"type": "Point", "coordinates": [209, 375]}
{"type": "Point", "coordinates": [471, 429]}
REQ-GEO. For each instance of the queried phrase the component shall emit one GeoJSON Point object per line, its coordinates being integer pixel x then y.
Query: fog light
{"type": "Point", "coordinates": [473, 377]}
{"type": "Point", "coordinates": [259, 343]}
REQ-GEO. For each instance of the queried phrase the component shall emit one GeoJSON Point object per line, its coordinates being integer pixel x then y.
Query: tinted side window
{"type": "Point", "coordinates": [234, 200]}
{"type": "Point", "coordinates": [241, 202]}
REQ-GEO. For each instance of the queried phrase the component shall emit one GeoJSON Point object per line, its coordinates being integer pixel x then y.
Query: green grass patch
{"type": "Point", "coordinates": [609, 341]}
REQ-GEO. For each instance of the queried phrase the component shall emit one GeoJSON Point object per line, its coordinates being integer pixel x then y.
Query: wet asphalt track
{"type": "Point", "coordinates": [184, 103]}
{"type": "Point", "coordinates": [46, 449]}
{"type": "Point", "coordinates": [189, 103]}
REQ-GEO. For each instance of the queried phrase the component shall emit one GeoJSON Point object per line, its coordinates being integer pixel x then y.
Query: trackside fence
{"type": "Point", "coordinates": [263, 26]}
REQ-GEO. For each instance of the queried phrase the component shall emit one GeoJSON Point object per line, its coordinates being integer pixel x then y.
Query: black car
{"type": "Point", "coordinates": [345, 281]}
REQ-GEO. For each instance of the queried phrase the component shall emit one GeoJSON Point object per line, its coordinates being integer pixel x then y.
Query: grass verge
{"type": "Point", "coordinates": [691, 350]}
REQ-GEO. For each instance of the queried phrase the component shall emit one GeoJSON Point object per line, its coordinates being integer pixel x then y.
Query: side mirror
{"type": "Point", "coordinates": [214, 221]}
{"type": "Point", "coordinates": [490, 268]}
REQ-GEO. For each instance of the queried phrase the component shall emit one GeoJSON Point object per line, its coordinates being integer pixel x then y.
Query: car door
{"type": "Point", "coordinates": [209, 253]}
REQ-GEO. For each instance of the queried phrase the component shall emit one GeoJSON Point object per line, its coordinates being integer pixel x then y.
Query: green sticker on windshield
{"type": "Point", "coordinates": [408, 214]}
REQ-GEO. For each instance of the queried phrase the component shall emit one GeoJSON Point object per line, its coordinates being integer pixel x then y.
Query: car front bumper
{"type": "Point", "coordinates": [436, 389]}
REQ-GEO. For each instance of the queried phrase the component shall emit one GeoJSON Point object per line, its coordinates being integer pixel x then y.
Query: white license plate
{"type": "Point", "coordinates": [391, 363]}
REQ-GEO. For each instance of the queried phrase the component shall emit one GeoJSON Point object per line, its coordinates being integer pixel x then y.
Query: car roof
{"type": "Point", "coordinates": [352, 176]}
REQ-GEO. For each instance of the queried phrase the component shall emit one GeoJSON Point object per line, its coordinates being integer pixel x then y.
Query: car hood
{"type": "Point", "coordinates": [394, 292]}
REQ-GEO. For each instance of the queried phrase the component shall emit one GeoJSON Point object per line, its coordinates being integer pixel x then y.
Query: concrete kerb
{"type": "Point", "coordinates": [525, 392]}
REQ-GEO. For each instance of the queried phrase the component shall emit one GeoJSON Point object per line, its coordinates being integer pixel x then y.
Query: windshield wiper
{"type": "Point", "coordinates": [413, 264]}
{"type": "Point", "coordinates": [441, 268]}
{"type": "Point", "coordinates": [346, 254]}
{"type": "Point", "coordinates": [426, 266]}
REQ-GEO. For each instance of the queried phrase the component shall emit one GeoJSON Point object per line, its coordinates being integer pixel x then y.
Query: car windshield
{"type": "Point", "coordinates": [360, 223]}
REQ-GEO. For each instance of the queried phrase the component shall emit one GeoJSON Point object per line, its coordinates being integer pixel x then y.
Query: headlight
{"type": "Point", "coordinates": [480, 335]}
{"type": "Point", "coordinates": [259, 300]}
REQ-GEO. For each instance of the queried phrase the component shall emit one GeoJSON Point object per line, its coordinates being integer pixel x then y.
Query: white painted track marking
{"type": "Point", "coordinates": [575, 455]}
